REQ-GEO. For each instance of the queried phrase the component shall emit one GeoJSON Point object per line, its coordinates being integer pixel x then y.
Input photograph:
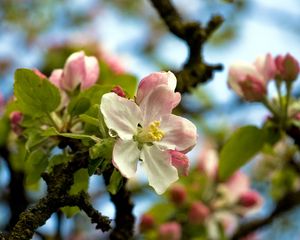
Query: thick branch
{"type": "Point", "coordinates": [59, 182]}
{"type": "Point", "coordinates": [288, 202]}
{"type": "Point", "coordinates": [195, 70]}
{"type": "Point", "coordinates": [124, 219]}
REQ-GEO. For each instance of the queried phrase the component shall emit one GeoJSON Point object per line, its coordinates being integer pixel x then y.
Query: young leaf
{"type": "Point", "coordinates": [81, 182]}
{"type": "Point", "coordinates": [90, 120]}
{"type": "Point", "coordinates": [35, 96]}
{"type": "Point", "coordinates": [79, 105]}
{"type": "Point", "coordinates": [115, 182]}
{"type": "Point", "coordinates": [239, 149]}
{"type": "Point", "coordinates": [53, 132]}
{"type": "Point", "coordinates": [36, 163]}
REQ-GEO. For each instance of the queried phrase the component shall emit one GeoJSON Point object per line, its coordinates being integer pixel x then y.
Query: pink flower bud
{"type": "Point", "coordinates": [198, 213]}
{"type": "Point", "coordinates": [178, 194]}
{"type": "Point", "coordinates": [287, 67]}
{"type": "Point", "coordinates": [40, 74]}
{"type": "Point", "coordinates": [249, 81]}
{"type": "Point", "coordinates": [170, 231]}
{"type": "Point", "coordinates": [146, 223]}
{"type": "Point", "coordinates": [180, 161]}
{"type": "Point", "coordinates": [119, 91]}
{"type": "Point", "coordinates": [253, 88]}
{"type": "Point", "coordinates": [78, 70]}
{"type": "Point", "coordinates": [250, 199]}
{"type": "Point", "coordinates": [15, 121]}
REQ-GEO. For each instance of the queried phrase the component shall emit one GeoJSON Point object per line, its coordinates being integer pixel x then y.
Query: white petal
{"type": "Point", "coordinates": [159, 102]}
{"type": "Point", "coordinates": [120, 115]}
{"type": "Point", "coordinates": [125, 157]}
{"type": "Point", "coordinates": [180, 133]}
{"type": "Point", "coordinates": [161, 174]}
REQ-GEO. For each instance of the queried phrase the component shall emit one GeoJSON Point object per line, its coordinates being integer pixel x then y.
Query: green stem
{"type": "Point", "coordinates": [271, 109]}
{"type": "Point", "coordinates": [52, 121]}
{"type": "Point", "coordinates": [288, 96]}
{"type": "Point", "coordinates": [278, 84]}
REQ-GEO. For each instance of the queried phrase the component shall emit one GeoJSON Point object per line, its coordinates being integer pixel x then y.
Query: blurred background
{"type": "Point", "coordinates": [42, 34]}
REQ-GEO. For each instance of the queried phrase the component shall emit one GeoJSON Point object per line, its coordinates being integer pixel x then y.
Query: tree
{"type": "Point", "coordinates": [83, 116]}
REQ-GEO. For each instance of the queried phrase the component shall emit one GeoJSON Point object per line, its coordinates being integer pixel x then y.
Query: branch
{"type": "Point", "coordinates": [124, 218]}
{"type": "Point", "coordinates": [195, 70]}
{"type": "Point", "coordinates": [288, 202]}
{"type": "Point", "coordinates": [59, 182]}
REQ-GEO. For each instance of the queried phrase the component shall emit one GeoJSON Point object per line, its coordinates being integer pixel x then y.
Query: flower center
{"type": "Point", "coordinates": [150, 134]}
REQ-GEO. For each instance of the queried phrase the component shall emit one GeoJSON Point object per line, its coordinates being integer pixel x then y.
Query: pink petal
{"type": "Point", "coordinates": [159, 170]}
{"type": "Point", "coordinates": [180, 161]}
{"type": "Point", "coordinates": [265, 65]}
{"type": "Point", "coordinates": [180, 133]}
{"type": "Point", "coordinates": [152, 81]}
{"type": "Point", "coordinates": [74, 71]}
{"type": "Point", "coordinates": [92, 72]}
{"type": "Point", "coordinates": [121, 115]}
{"type": "Point", "coordinates": [159, 102]}
{"type": "Point", "coordinates": [238, 184]}
{"type": "Point", "coordinates": [56, 77]}
{"type": "Point", "coordinates": [125, 157]}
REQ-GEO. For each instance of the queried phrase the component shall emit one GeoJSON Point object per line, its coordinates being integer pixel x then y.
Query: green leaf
{"type": "Point", "coordinates": [126, 81]}
{"type": "Point", "coordinates": [239, 149]}
{"type": "Point", "coordinates": [34, 139]}
{"type": "Point", "coordinates": [57, 159]}
{"type": "Point", "coordinates": [90, 120]}
{"type": "Point", "coordinates": [81, 182]}
{"type": "Point", "coordinates": [115, 182]}
{"type": "Point", "coordinates": [35, 96]}
{"type": "Point", "coordinates": [162, 212]}
{"type": "Point", "coordinates": [35, 164]}
{"type": "Point", "coordinates": [101, 155]}
{"type": "Point", "coordinates": [102, 149]}
{"type": "Point", "coordinates": [95, 93]}
{"type": "Point", "coordinates": [70, 211]}
{"type": "Point", "coordinates": [78, 106]}
{"type": "Point", "coordinates": [4, 130]}
{"type": "Point", "coordinates": [53, 132]}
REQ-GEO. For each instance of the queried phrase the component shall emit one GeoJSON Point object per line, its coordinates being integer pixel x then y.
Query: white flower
{"type": "Point", "coordinates": [146, 131]}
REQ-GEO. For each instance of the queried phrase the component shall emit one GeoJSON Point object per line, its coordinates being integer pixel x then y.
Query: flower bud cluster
{"type": "Point", "coordinates": [200, 201]}
{"type": "Point", "coordinates": [250, 81]}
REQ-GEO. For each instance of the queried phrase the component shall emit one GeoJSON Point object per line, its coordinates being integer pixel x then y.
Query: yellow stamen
{"type": "Point", "coordinates": [151, 133]}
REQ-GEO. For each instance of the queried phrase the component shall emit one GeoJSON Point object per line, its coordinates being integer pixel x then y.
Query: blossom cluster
{"type": "Point", "coordinates": [200, 203]}
{"type": "Point", "coordinates": [250, 81]}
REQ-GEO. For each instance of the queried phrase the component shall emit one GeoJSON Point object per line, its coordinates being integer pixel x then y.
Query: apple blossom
{"type": "Point", "coordinates": [146, 130]}
{"type": "Point", "coordinates": [170, 231]}
{"type": "Point", "coordinates": [250, 199]}
{"type": "Point", "coordinates": [287, 67]}
{"type": "Point", "coordinates": [249, 81]}
{"type": "Point", "coordinates": [198, 212]}
{"type": "Point", "coordinates": [178, 194]}
{"type": "Point", "coordinates": [146, 223]}
{"type": "Point", "coordinates": [78, 70]}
